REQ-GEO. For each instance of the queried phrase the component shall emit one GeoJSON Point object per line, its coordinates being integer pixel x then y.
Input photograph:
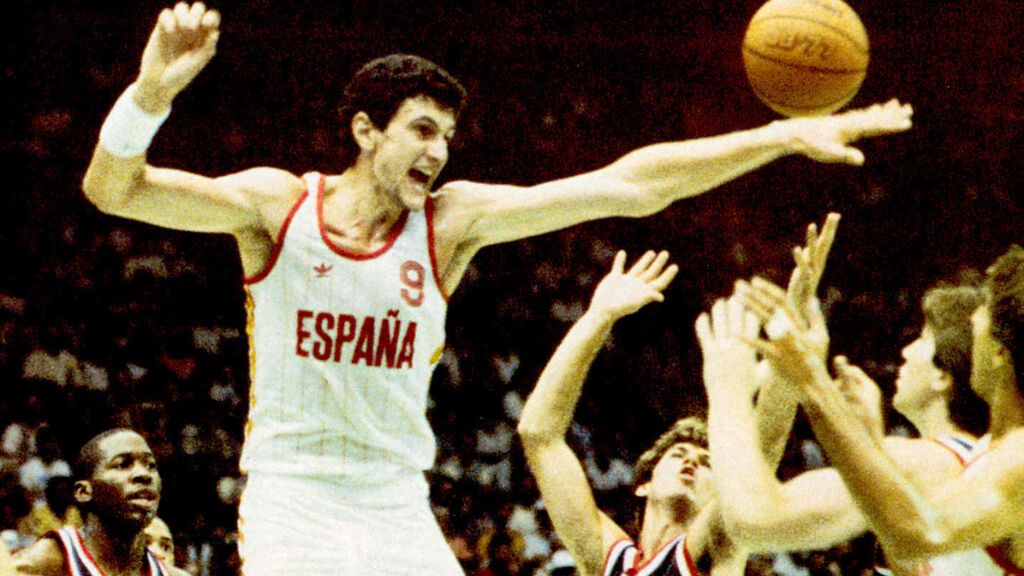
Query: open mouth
{"type": "Point", "coordinates": [420, 177]}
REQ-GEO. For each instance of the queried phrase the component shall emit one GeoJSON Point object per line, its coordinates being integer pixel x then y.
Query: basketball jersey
{"type": "Point", "coordinates": [80, 562]}
{"type": "Point", "coordinates": [625, 559]}
{"type": "Point", "coordinates": [342, 347]}
{"type": "Point", "coordinates": [977, 562]}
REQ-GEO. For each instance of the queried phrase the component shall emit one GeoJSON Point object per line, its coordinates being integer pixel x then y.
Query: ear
{"type": "Point", "coordinates": [365, 133]}
{"type": "Point", "coordinates": [943, 383]}
{"type": "Point", "coordinates": [82, 491]}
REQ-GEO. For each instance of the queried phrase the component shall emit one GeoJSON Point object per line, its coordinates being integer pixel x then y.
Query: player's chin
{"type": "Point", "coordinates": [415, 200]}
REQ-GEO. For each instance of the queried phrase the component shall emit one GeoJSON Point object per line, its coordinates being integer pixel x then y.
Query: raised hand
{"type": "Point", "coordinates": [725, 337]}
{"type": "Point", "coordinates": [791, 347]}
{"type": "Point", "coordinates": [182, 43]}
{"type": "Point", "coordinates": [862, 395]}
{"type": "Point", "coordinates": [621, 293]}
{"type": "Point", "coordinates": [828, 138]}
{"type": "Point", "coordinates": [810, 261]}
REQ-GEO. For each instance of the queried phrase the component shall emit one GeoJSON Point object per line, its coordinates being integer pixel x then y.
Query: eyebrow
{"type": "Point", "coordinates": [430, 120]}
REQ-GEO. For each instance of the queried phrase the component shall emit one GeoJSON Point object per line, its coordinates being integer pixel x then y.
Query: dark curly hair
{"type": "Point", "coordinates": [1005, 287]}
{"type": "Point", "coordinates": [947, 311]}
{"type": "Point", "coordinates": [380, 87]}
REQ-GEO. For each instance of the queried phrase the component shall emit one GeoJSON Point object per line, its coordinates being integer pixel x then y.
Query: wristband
{"type": "Point", "coordinates": [128, 129]}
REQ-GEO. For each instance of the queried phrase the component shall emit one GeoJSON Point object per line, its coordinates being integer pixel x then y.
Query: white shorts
{"type": "Point", "coordinates": [290, 525]}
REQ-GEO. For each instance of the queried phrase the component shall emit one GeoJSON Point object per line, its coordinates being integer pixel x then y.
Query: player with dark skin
{"type": "Point", "coordinates": [117, 487]}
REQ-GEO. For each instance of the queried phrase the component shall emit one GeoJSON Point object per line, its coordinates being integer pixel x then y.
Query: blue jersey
{"type": "Point", "coordinates": [625, 559]}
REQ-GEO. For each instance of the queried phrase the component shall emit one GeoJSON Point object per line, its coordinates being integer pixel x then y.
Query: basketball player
{"type": "Point", "coordinates": [814, 510]}
{"type": "Point", "coordinates": [668, 476]}
{"type": "Point", "coordinates": [349, 276]}
{"type": "Point", "coordinates": [117, 487]}
{"type": "Point", "coordinates": [160, 542]}
{"type": "Point", "coordinates": [983, 508]}
{"type": "Point", "coordinates": [678, 522]}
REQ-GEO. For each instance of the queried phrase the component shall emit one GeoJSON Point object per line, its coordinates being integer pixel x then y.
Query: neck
{"type": "Point", "coordinates": [661, 524]}
{"type": "Point", "coordinates": [1007, 409]}
{"type": "Point", "coordinates": [356, 207]}
{"type": "Point", "coordinates": [116, 552]}
{"type": "Point", "coordinates": [932, 421]}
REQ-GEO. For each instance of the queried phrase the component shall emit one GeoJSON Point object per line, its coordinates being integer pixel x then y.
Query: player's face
{"type": "Point", "coordinates": [413, 150]}
{"type": "Point", "coordinates": [126, 484]}
{"type": "Point", "coordinates": [160, 541]}
{"type": "Point", "coordinates": [919, 378]}
{"type": "Point", "coordinates": [681, 472]}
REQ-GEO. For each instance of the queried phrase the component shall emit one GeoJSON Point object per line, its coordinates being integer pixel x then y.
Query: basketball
{"type": "Point", "coordinates": [805, 57]}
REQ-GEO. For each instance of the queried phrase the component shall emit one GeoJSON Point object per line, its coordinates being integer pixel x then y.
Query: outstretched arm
{"type": "Point", "coordinates": [776, 405]}
{"type": "Point", "coordinates": [760, 512]}
{"type": "Point", "coordinates": [547, 415]}
{"type": "Point", "coordinates": [120, 182]}
{"type": "Point", "coordinates": [983, 506]}
{"type": "Point", "coordinates": [647, 180]}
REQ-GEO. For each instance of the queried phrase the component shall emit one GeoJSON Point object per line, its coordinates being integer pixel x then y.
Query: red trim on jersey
{"type": "Point", "coordinates": [393, 234]}
{"type": "Point", "coordinates": [611, 550]}
{"type": "Point", "coordinates": [646, 561]}
{"type": "Point", "coordinates": [959, 458]}
{"type": "Point", "coordinates": [85, 551]}
{"type": "Point", "coordinates": [1003, 562]}
{"type": "Point", "coordinates": [430, 248]}
{"type": "Point", "coordinates": [65, 549]}
{"type": "Point", "coordinates": [690, 565]}
{"type": "Point", "coordinates": [279, 241]}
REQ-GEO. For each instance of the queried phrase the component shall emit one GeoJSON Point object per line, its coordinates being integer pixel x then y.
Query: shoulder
{"type": "Point", "coordinates": [1008, 456]}
{"type": "Point", "coordinates": [265, 183]}
{"type": "Point", "coordinates": [462, 196]}
{"type": "Point", "coordinates": [43, 557]}
{"type": "Point", "coordinates": [922, 458]}
{"type": "Point", "coordinates": [466, 210]}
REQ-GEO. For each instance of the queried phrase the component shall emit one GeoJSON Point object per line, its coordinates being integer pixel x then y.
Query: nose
{"type": "Point", "coordinates": [905, 353]}
{"type": "Point", "coordinates": [437, 149]}
{"type": "Point", "coordinates": [144, 474]}
{"type": "Point", "coordinates": [910, 349]}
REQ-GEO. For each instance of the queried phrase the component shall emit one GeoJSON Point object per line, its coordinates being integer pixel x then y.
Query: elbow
{"type": "Point", "coordinates": [533, 438]}
{"type": "Point", "coordinates": [748, 529]}
{"type": "Point", "coordinates": [640, 200]}
{"type": "Point", "coordinates": [102, 193]}
{"type": "Point", "coordinates": [529, 436]}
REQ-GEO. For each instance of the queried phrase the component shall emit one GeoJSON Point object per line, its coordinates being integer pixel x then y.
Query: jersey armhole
{"type": "Point", "coordinates": [279, 241]}
{"type": "Point", "coordinates": [429, 208]}
{"type": "Point", "coordinates": [616, 552]}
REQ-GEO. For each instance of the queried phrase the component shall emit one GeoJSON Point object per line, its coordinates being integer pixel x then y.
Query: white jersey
{"type": "Point", "coordinates": [978, 562]}
{"type": "Point", "coordinates": [342, 347]}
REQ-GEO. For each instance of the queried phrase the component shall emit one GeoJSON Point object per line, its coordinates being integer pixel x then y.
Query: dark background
{"type": "Point", "coordinates": [557, 88]}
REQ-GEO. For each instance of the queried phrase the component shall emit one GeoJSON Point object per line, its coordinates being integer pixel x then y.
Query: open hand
{"type": "Point", "coordinates": [828, 138]}
{"type": "Point", "coordinates": [621, 293]}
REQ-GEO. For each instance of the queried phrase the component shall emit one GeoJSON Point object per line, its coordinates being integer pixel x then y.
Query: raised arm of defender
{"type": "Point", "coordinates": [118, 179]}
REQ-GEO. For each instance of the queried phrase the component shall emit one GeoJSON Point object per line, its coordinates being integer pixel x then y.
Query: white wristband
{"type": "Point", "coordinates": [128, 129]}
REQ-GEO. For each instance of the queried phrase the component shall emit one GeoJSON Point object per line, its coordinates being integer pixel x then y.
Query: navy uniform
{"type": "Point", "coordinates": [80, 562]}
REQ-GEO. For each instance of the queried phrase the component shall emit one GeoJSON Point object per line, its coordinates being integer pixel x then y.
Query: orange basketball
{"type": "Point", "coordinates": [805, 57]}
